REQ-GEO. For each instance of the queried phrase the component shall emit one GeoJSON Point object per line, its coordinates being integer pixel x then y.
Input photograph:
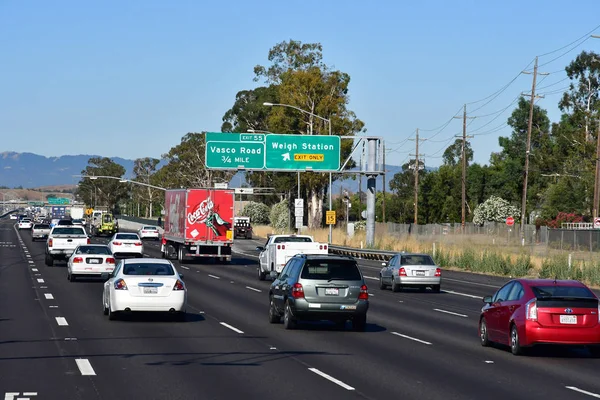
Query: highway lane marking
{"type": "Point", "coordinates": [576, 389]}
{"type": "Point", "coordinates": [331, 378]}
{"type": "Point", "coordinates": [34, 269]}
{"type": "Point", "coordinates": [471, 283]}
{"type": "Point", "coordinates": [48, 296]}
{"type": "Point", "coordinates": [450, 312]}
{"type": "Point", "coordinates": [52, 306]}
{"type": "Point", "coordinates": [13, 395]}
{"type": "Point", "coordinates": [245, 254]}
{"type": "Point", "coordinates": [61, 321]}
{"type": "Point", "coordinates": [233, 328]}
{"type": "Point", "coordinates": [85, 367]}
{"type": "Point", "coordinates": [411, 338]}
{"type": "Point", "coordinates": [31, 262]}
{"type": "Point", "coordinates": [256, 290]}
{"type": "Point", "coordinates": [40, 280]}
{"type": "Point", "coordinates": [214, 276]}
{"type": "Point", "coordinates": [371, 277]}
{"type": "Point", "coordinates": [462, 294]}
{"type": "Point", "coordinates": [184, 267]}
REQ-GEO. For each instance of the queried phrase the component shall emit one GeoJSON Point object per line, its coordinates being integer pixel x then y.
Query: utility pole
{"type": "Point", "coordinates": [528, 148]}
{"type": "Point", "coordinates": [383, 202]}
{"type": "Point", "coordinates": [362, 169]}
{"type": "Point", "coordinates": [464, 167]}
{"type": "Point", "coordinates": [417, 167]}
{"type": "Point", "coordinates": [596, 183]}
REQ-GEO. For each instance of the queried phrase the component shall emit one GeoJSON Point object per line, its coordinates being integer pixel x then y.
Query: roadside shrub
{"type": "Point", "coordinates": [258, 213]}
{"type": "Point", "coordinates": [280, 216]}
{"type": "Point", "coordinates": [360, 225]}
{"type": "Point", "coordinates": [521, 267]}
{"type": "Point", "coordinates": [494, 209]}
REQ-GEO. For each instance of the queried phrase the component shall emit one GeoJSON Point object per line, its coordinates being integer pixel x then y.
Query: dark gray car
{"type": "Point", "coordinates": [319, 287]}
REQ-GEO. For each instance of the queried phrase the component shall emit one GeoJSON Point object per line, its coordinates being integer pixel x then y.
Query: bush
{"type": "Point", "coordinates": [494, 209]}
{"type": "Point", "coordinates": [280, 215]}
{"type": "Point", "coordinates": [258, 213]}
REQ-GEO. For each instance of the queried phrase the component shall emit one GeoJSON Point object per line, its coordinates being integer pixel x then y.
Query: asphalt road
{"type": "Point", "coordinates": [417, 345]}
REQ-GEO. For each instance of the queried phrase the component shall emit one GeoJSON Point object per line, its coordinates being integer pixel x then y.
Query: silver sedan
{"type": "Point", "coordinates": [410, 270]}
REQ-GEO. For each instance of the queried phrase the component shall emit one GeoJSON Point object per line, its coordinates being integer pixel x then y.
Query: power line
{"type": "Point", "coordinates": [574, 41]}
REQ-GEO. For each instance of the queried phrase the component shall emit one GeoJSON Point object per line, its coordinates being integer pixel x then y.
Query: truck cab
{"type": "Point", "coordinates": [242, 228]}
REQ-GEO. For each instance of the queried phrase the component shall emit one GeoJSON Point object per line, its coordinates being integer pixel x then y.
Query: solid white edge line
{"type": "Point", "coordinates": [576, 389]}
{"type": "Point", "coordinates": [256, 290]}
{"type": "Point", "coordinates": [48, 296]}
{"type": "Point", "coordinates": [462, 294]}
{"type": "Point", "coordinates": [450, 312]}
{"type": "Point", "coordinates": [233, 328]}
{"type": "Point", "coordinates": [61, 321]}
{"type": "Point", "coordinates": [84, 366]}
{"type": "Point", "coordinates": [411, 338]}
{"type": "Point", "coordinates": [331, 378]}
{"type": "Point", "coordinates": [214, 276]}
{"type": "Point", "coordinates": [30, 393]}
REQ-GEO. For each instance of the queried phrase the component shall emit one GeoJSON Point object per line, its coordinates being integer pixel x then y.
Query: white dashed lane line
{"type": "Point", "coordinates": [34, 269]}
{"type": "Point", "coordinates": [61, 321]}
{"type": "Point", "coordinates": [576, 389]}
{"type": "Point", "coordinates": [233, 328]}
{"type": "Point", "coordinates": [411, 338]}
{"type": "Point", "coordinates": [40, 280]}
{"type": "Point", "coordinates": [371, 277]}
{"type": "Point", "coordinates": [184, 267]}
{"type": "Point", "coordinates": [48, 296]}
{"type": "Point", "coordinates": [251, 288]}
{"type": "Point", "coordinates": [331, 378]}
{"type": "Point", "coordinates": [214, 276]}
{"type": "Point", "coordinates": [85, 367]}
{"type": "Point", "coordinates": [462, 294]}
{"type": "Point", "coordinates": [450, 312]}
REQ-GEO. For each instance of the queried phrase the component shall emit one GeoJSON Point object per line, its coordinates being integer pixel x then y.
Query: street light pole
{"type": "Point", "coordinates": [330, 174]}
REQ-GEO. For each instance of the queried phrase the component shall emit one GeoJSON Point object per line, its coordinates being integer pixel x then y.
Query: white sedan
{"type": "Point", "coordinates": [145, 284]}
{"type": "Point", "coordinates": [25, 223]}
{"type": "Point", "coordinates": [126, 244]}
{"type": "Point", "coordinates": [13, 216]}
{"type": "Point", "coordinates": [148, 232]}
{"type": "Point", "coordinates": [90, 260]}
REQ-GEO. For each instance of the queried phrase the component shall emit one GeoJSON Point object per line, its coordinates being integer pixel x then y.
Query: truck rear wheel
{"type": "Point", "coordinates": [180, 254]}
{"type": "Point", "coordinates": [261, 274]}
{"type": "Point", "coordinates": [49, 261]}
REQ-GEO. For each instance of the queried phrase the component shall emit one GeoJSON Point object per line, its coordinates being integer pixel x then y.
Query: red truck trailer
{"type": "Point", "coordinates": [198, 223]}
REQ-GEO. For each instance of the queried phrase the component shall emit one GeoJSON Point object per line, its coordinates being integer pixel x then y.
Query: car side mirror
{"type": "Point", "coordinates": [487, 299]}
{"type": "Point", "coordinates": [260, 248]}
{"type": "Point", "coordinates": [105, 276]}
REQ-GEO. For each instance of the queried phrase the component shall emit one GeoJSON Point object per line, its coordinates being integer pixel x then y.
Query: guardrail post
{"type": "Point", "coordinates": [434, 249]}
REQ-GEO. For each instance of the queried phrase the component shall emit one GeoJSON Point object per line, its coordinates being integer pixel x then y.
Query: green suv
{"type": "Point", "coordinates": [319, 287]}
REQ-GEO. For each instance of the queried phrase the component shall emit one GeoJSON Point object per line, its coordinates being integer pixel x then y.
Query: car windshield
{"type": "Point", "coordinates": [41, 226]}
{"type": "Point", "coordinates": [561, 291]}
{"type": "Point", "coordinates": [147, 269]}
{"type": "Point", "coordinates": [295, 239]}
{"type": "Point", "coordinates": [94, 250]}
{"type": "Point", "coordinates": [149, 228]}
{"type": "Point", "coordinates": [127, 236]}
{"type": "Point", "coordinates": [68, 231]}
{"type": "Point", "coordinates": [344, 270]}
{"type": "Point", "coordinates": [107, 219]}
{"type": "Point", "coordinates": [417, 260]}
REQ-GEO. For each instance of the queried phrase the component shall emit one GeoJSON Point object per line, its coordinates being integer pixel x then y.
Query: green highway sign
{"type": "Point", "coordinates": [272, 152]}
{"type": "Point", "coordinates": [58, 200]}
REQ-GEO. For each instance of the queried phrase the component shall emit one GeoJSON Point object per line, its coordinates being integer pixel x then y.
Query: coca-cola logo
{"type": "Point", "coordinates": [201, 212]}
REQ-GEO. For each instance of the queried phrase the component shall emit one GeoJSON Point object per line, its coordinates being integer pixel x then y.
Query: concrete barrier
{"type": "Point", "coordinates": [134, 226]}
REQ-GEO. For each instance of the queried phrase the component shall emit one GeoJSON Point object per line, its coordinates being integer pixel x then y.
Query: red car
{"type": "Point", "coordinates": [526, 312]}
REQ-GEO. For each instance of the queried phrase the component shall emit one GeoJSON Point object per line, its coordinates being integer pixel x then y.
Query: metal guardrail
{"type": "Point", "coordinates": [368, 254]}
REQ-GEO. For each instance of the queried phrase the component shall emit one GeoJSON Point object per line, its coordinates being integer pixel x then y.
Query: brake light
{"type": "Point", "coordinates": [364, 293]}
{"type": "Point", "coordinates": [117, 243]}
{"type": "Point", "coordinates": [323, 247]}
{"type": "Point", "coordinates": [110, 260]}
{"type": "Point", "coordinates": [531, 310]}
{"type": "Point", "coordinates": [297, 291]}
{"type": "Point", "coordinates": [402, 271]}
{"type": "Point", "coordinates": [178, 285]}
{"type": "Point", "coordinates": [89, 241]}
{"type": "Point", "coordinates": [164, 241]}
{"type": "Point", "coordinates": [50, 242]}
{"type": "Point", "coordinates": [438, 272]}
{"type": "Point", "coordinates": [78, 260]}
{"type": "Point", "coordinates": [138, 243]}
{"type": "Point", "coordinates": [120, 284]}
{"type": "Point", "coordinates": [143, 231]}
{"type": "Point", "coordinates": [281, 247]}
{"type": "Point", "coordinates": [598, 312]}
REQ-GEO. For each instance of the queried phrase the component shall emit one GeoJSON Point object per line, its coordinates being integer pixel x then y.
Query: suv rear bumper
{"type": "Point", "coordinates": [302, 309]}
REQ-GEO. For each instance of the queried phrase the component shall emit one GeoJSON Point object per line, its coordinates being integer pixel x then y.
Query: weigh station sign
{"type": "Point", "coordinates": [249, 151]}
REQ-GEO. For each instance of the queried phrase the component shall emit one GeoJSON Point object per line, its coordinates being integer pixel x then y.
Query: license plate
{"type": "Point", "coordinates": [332, 291]}
{"type": "Point", "coordinates": [420, 273]}
{"type": "Point", "coordinates": [150, 290]}
{"type": "Point", "coordinates": [94, 261]}
{"type": "Point", "coordinates": [568, 319]}
{"type": "Point", "coordinates": [192, 247]}
{"type": "Point", "coordinates": [128, 244]}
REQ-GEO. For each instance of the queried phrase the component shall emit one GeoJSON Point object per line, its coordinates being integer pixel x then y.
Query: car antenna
{"type": "Point", "coordinates": [555, 278]}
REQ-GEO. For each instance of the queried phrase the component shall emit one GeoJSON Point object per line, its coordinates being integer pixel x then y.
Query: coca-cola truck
{"type": "Point", "coordinates": [198, 223]}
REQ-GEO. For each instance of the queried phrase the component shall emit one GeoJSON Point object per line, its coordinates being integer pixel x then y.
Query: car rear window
{"type": "Point", "coordinates": [149, 228]}
{"type": "Point", "coordinates": [292, 239]}
{"type": "Point", "coordinates": [562, 291]}
{"type": "Point", "coordinates": [417, 260]}
{"type": "Point", "coordinates": [68, 231]}
{"type": "Point", "coordinates": [147, 269]}
{"type": "Point", "coordinates": [41, 226]}
{"type": "Point", "coordinates": [104, 250]}
{"type": "Point", "coordinates": [127, 236]}
{"type": "Point", "coordinates": [331, 269]}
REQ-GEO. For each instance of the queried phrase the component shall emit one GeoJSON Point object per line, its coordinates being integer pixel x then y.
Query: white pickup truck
{"type": "Point", "coordinates": [63, 240]}
{"type": "Point", "coordinates": [280, 248]}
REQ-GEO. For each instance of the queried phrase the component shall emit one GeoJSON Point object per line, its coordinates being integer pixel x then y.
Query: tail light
{"type": "Point", "coordinates": [402, 271]}
{"type": "Point", "coordinates": [364, 293]}
{"type": "Point", "coordinates": [297, 291]}
{"type": "Point", "coordinates": [178, 285]}
{"type": "Point", "coordinates": [438, 272]}
{"type": "Point", "coordinates": [120, 284]}
{"type": "Point", "coordinates": [143, 231]}
{"type": "Point", "coordinates": [164, 241]}
{"type": "Point", "coordinates": [281, 247]}
{"type": "Point", "coordinates": [78, 260]}
{"type": "Point", "coordinates": [50, 242]}
{"type": "Point", "coordinates": [531, 310]}
{"type": "Point", "coordinates": [117, 243]}
{"type": "Point", "coordinates": [323, 247]}
{"type": "Point", "coordinates": [110, 260]}
{"type": "Point", "coordinates": [138, 243]}
{"type": "Point", "coordinates": [89, 241]}
{"type": "Point", "coordinates": [599, 312]}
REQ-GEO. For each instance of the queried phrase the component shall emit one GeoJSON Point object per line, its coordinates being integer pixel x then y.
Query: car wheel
{"type": "Point", "coordinates": [395, 286]}
{"type": "Point", "coordinates": [261, 274]}
{"type": "Point", "coordinates": [483, 333]}
{"type": "Point", "coordinates": [104, 308]}
{"type": "Point", "coordinates": [112, 315]}
{"type": "Point", "coordinates": [436, 288]}
{"type": "Point", "coordinates": [71, 278]}
{"type": "Point", "coordinates": [49, 261]}
{"type": "Point", "coordinates": [382, 285]}
{"type": "Point", "coordinates": [288, 320]}
{"type": "Point", "coordinates": [515, 345]}
{"type": "Point", "coordinates": [274, 316]}
{"type": "Point", "coordinates": [359, 323]}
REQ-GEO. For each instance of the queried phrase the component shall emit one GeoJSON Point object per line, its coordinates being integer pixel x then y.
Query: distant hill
{"type": "Point", "coordinates": [34, 171]}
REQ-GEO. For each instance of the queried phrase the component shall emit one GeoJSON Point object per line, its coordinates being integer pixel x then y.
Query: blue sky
{"type": "Point", "coordinates": [130, 78]}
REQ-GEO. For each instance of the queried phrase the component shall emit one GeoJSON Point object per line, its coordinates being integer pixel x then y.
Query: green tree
{"type": "Point", "coordinates": [144, 170]}
{"type": "Point", "coordinates": [102, 191]}
{"type": "Point", "coordinates": [453, 154]}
